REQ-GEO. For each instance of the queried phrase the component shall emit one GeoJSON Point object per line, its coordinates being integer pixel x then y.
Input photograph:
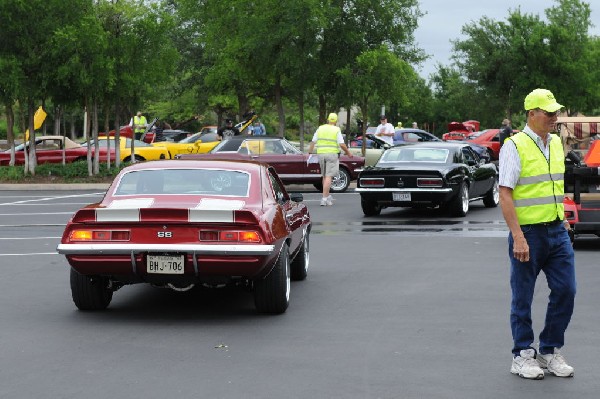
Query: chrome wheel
{"type": "Point", "coordinates": [340, 182]}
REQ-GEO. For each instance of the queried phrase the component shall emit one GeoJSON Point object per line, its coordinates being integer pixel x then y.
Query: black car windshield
{"type": "Point", "coordinates": [185, 181]}
{"type": "Point", "coordinates": [412, 154]}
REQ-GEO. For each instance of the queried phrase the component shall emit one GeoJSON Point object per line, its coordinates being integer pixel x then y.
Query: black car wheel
{"type": "Point", "coordinates": [341, 182]}
{"type": "Point", "coordinates": [272, 293]}
{"type": "Point", "coordinates": [299, 267]}
{"type": "Point", "coordinates": [459, 206]}
{"type": "Point", "coordinates": [90, 292]}
{"type": "Point", "coordinates": [138, 158]}
{"type": "Point", "coordinates": [492, 197]}
{"type": "Point", "coordinates": [370, 208]}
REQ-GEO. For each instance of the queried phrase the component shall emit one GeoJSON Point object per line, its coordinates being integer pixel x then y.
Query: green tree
{"type": "Point", "coordinates": [358, 26]}
{"type": "Point", "coordinates": [363, 79]}
{"type": "Point", "coordinates": [10, 81]}
{"type": "Point", "coordinates": [28, 32]}
{"type": "Point", "coordinates": [507, 59]}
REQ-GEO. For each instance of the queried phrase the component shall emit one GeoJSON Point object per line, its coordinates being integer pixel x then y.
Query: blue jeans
{"type": "Point", "coordinates": [550, 251]}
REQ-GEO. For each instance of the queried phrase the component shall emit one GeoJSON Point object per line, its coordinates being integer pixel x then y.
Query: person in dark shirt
{"type": "Point", "coordinates": [228, 131]}
{"type": "Point", "coordinates": [159, 126]}
{"type": "Point", "coordinates": [505, 131]}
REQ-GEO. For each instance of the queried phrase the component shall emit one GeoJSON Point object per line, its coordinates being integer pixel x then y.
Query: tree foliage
{"type": "Point", "coordinates": [292, 61]}
{"type": "Point", "coordinates": [508, 59]}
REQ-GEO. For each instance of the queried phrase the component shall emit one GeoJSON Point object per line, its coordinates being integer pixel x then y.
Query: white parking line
{"type": "Point", "coordinates": [52, 198]}
{"type": "Point", "coordinates": [32, 214]}
{"type": "Point", "coordinates": [32, 225]}
{"type": "Point", "coordinates": [55, 204]}
{"type": "Point", "coordinates": [29, 238]}
{"type": "Point", "coordinates": [32, 253]}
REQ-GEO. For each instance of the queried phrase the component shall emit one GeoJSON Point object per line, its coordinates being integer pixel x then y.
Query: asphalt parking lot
{"type": "Point", "coordinates": [410, 304]}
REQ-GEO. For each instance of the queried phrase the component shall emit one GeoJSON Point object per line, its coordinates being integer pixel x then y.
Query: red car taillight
{"type": "Point", "coordinates": [230, 236]}
{"type": "Point", "coordinates": [430, 182]}
{"type": "Point", "coordinates": [99, 235]}
{"type": "Point", "coordinates": [372, 182]}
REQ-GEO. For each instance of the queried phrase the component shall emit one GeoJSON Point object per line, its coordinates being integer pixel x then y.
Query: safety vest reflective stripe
{"type": "Point", "coordinates": [535, 201]}
{"type": "Point", "coordinates": [539, 192]}
{"type": "Point", "coordinates": [541, 178]}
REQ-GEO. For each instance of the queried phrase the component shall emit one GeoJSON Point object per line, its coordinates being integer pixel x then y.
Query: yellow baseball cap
{"type": "Point", "coordinates": [542, 99]}
{"type": "Point", "coordinates": [332, 117]}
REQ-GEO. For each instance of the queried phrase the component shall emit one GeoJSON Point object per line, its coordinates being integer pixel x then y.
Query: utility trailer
{"type": "Point", "coordinates": [582, 178]}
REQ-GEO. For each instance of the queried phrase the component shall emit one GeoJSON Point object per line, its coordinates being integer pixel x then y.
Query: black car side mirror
{"type": "Point", "coordinates": [297, 197]}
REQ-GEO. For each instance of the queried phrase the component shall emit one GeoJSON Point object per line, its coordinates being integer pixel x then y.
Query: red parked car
{"type": "Point", "coordinates": [48, 149]}
{"type": "Point", "coordinates": [289, 162]}
{"type": "Point", "coordinates": [490, 139]}
{"type": "Point", "coordinates": [460, 130]}
{"type": "Point", "coordinates": [175, 224]}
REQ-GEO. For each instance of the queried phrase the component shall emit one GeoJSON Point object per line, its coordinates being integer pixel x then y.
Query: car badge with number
{"type": "Point", "coordinates": [400, 183]}
{"type": "Point", "coordinates": [164, 234]}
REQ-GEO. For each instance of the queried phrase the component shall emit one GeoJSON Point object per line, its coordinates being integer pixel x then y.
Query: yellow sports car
{"type": "Point", "coordinates": [143, 151]}
{"type": "Point", "coordinates": [197, 143]}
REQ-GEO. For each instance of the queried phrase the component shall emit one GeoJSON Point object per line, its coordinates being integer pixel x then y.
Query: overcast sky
{"type": "Point", "coordinates": [444, 19]}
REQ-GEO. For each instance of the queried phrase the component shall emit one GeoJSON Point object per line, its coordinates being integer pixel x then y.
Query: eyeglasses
{"type": "Point", "coordinates": [549, 114]}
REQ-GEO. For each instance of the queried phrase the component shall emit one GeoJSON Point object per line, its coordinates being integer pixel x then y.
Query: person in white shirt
{"type": "Point", "coordinates": [385, 130]}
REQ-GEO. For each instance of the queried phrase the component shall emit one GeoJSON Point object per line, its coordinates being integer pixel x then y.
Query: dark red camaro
{"type": "Point", "coordinates": [175, 224]}
{"type": "Point", "coordinates": [289, 162]}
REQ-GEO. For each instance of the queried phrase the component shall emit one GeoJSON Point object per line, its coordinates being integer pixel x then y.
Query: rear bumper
{"type": "Point", "coordinates": [248, 261]}
{"type": "Point", "coordinates": [121, 249]}
{"type": "Point", "coordinates": [404, 190]}
{"type": "Point", "coordinates": [419, 196]}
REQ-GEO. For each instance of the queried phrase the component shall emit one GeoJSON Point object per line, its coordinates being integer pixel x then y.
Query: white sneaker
{"type": "Point", "coordinates": [323, 201]}
{"type": "Point", "coordinates": [526, 366]}
{"type": "Point", "coordinates": [329, 200]}
{"type": "Point", "coordinates": [556, 364]}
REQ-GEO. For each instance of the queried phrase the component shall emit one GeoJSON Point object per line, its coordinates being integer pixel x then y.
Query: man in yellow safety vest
{"type": "Point", "coordinates": [328, 140]}
{"type": "Point", "coordinates": [139, 124]}
{"type": "Point", "coordinates": [532, 167]}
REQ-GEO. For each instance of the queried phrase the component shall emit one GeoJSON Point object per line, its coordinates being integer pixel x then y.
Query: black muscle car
{"type": "Point", "coordinates": [428, 174]}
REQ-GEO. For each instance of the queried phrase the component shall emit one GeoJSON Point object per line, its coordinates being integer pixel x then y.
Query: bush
{"type": "Point", "coordinates": [76, 172]}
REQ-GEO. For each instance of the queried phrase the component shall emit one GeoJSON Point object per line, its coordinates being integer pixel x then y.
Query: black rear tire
{"type": "Point", "coordinates": [90, 292]}
{"type": "Point", "coordinates": [138, 158]}
{"type": "Point", "coordinates": [299, 267]}
{"type": "Point", "coordinates": [492, 197]}
{"type": "Point", "coordinates": [459, 206]}
{"type": "Point", "coordinates": [272, 293]}
{"type": "Point", "coordinates": [370, 208]}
